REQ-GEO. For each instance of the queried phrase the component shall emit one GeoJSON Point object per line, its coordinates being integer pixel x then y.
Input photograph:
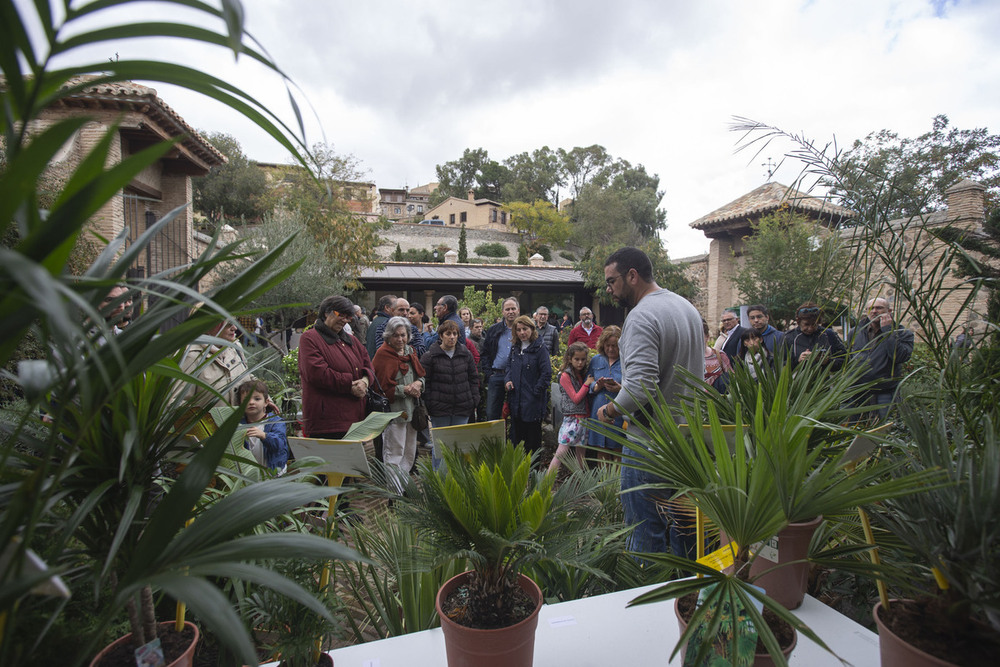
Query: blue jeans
{"type": "Point", "coordinates": [445, 420]}
{"type": "Point", "coordinates": [659, 529]}
{"type": "Point", "coordinates": [495, 396]}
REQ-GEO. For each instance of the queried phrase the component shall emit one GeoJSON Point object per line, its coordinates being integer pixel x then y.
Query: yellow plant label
{"type": "Point", "coordinates": [721, 558]}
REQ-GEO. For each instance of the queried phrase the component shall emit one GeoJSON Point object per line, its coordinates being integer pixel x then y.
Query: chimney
{"type": "Point", "coordinates": [471, 194]}
{"type": "Point", "coordinates": [966, 206]}
{"type": "Point", "coordinates": [536, 260]}
{"type": "Point", "coordinates": [451, 257]}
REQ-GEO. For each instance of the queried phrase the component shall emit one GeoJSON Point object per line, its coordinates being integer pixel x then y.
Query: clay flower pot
{"type": "Point", "coordinates": [759, 659]}
{"type": "Point", "coordinates": [512, 646]}
{"type": "Point", "coordinates": [896, 652]}
{"type": "Point", "coordinates": [185, 659]}
{"type": "Point", "coordinates": [787, 584]}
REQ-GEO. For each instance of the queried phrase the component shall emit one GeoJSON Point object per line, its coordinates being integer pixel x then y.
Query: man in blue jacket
{"type": "Point", "coordinates": [885, 347]}
{"type": "Point", "coordinates": [759, 320]}
{"type": "Point", "coordinates": [495, 357]}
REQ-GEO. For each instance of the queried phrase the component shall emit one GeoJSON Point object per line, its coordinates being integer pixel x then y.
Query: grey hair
{"type": "Point", "coordinates": [393, 324]}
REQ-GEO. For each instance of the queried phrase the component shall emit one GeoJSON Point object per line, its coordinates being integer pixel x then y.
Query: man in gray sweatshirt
{"type": "Point", "coordinates": [885, 348]}
{"type": "Point", "coordinates": [662, 332]}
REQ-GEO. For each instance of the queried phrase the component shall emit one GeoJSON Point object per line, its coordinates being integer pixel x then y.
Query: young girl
{"type": "Point", "coordinates": [266, 437]}
{"type": "Point", "coordinates": [573, 396]}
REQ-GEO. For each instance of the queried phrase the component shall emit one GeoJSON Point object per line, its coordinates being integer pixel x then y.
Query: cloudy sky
{"type": "Point", "coordinates": [406, 85]}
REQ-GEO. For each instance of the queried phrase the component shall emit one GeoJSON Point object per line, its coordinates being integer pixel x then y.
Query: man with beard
{"type": "Point", "coordinates": [662, 332]}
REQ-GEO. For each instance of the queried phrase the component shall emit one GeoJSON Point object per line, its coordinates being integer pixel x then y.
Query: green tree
{"type": "Point", "coordinates": [787, 261]}
{"type": "Point", "coordinates": [666, 273]}
{"type": "Point", "coordinates": [912, 174]}
{"type": "Point", "coordinates": [540, 220]}
{"type": "Point", "coordinates": [620, 205]}
{"type": "Point", "coordinates": [315, 279]}
{"type": "Point", "coordinates": [533, 176]}
{"type": "Point", "coordinates": [398, 255]}
{"type": "Point", "coordinates": [473, 171]}
{"type": "Point", "coordinates": [522, 255]}
{"type": "Point", "coordinates": [580, 165]}
{"type": "Point", "coordinates": [482, 304]}
{"type": "Point", "coordinates": [463, 246]}
{"type": "Point", "coordinates": [236, 191]}
{"type": "Point", "coordinates": [319, 195]}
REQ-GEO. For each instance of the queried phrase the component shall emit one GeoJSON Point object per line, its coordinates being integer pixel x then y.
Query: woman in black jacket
{"type": "Point", "coordinates": [529, 374]}
{"type": "Point", "coordinates": [452, 380]}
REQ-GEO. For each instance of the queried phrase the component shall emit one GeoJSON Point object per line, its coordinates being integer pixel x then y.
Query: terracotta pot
{"type": "Point", "coordinates": [896, 652]}
{"type": "Point", "coordinates": [787, 584]}
{"type": "Point", "coordinates": [513, 646]}
{"type": "Point", "coordinates": [759, 659]}
{"type": "Point", "coordinates": [185, 660]}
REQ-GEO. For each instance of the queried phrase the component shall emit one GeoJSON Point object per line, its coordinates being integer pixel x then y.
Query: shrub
{"type": "Point", "coordinates": [492, 250]}
{"type": "Point", "coordinates": [567, 255]}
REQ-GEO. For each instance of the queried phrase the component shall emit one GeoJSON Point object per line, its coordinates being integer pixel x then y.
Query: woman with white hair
{"type": "Point", "coordinates": [400, 375]}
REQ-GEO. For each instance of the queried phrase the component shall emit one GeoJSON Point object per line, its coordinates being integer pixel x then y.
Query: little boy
{"type": "Point", "coordinates": [266, 439]}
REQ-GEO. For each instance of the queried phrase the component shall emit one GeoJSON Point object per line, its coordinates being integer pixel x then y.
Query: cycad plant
{"type": "Point", "coordinates": [502, 517]}
{"type": "Point", "coordinates": [751, 489]}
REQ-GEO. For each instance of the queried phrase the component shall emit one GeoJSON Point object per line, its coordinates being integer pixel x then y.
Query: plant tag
{"type": "Point", "coordinates": [562, 621]}
{"type": "Point", "coordinates": [150, 655]}
{"type": "Point", "coordinates": [767, 550]}
{"type": "Point", "coordinates": [721, 558]}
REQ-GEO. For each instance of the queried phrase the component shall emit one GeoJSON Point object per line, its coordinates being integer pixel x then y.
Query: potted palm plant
{"type": "Point", "coordinates": [768, 477]}
{"type": "Point", "coordinates": [86, 490]}
{"type": "Point", "coordinates": [952, 531]}
{"type": "Point", "coordinates": [502, 517]}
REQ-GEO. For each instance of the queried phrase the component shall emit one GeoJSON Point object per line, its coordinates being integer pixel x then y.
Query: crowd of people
{"type": "Point", "coordinates": [463, 369]}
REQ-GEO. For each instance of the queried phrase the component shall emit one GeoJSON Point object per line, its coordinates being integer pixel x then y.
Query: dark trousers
{"type": "Point", "coordinates": [528, 432]}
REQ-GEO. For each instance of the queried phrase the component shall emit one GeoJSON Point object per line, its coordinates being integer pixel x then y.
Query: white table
{"type": "Point", "coordinates": [599, 631]}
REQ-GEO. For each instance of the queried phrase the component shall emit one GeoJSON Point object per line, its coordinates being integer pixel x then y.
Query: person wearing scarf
{"type": "Point", "coordinates": [335, 370]}
{"type": "Point", "coordinates": [400, 375]}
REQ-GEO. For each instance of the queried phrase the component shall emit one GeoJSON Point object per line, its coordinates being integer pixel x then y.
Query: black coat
{"type": "Point", "coordinates": [452, 382]}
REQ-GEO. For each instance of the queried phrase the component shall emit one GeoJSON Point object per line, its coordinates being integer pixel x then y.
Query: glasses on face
{"type": "Point", "coordinates": [610, 282]}
{"type": "Point", "coordinates": [728, 319]}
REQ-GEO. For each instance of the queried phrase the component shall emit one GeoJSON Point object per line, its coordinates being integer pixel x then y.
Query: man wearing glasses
{"type": "Point", "coordinates": [662, 332]}
{"type": "Point", "coordinates": [729, 321]}
{"type": "Point", "coordinates": [586, 331]}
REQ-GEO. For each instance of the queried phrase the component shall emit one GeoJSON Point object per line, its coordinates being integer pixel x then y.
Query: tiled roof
{"type": "Point", "coordinates": [137, 97]}
{"type": "Point", "coordinates": [765, 199]}
{"type": "Point", "coordinates": [473, 273]}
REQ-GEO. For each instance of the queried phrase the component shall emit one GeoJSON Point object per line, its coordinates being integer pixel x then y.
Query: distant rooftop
{"type": "Point", "coordinates": [763, 200]}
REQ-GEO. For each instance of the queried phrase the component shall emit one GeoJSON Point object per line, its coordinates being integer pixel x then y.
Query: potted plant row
{"type": "Point", "coordinates": [751, 480]}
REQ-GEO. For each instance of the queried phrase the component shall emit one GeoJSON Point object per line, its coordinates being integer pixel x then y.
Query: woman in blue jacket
{"type": "Point", "coordinates": [529, 374]}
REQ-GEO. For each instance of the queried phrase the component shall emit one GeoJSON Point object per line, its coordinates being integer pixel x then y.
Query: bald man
{"type": "Point", "coordinates": [884, 347]}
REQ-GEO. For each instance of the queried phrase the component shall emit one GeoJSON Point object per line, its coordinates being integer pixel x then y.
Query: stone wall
{"type": "Point", "coordinates": [411, 236]}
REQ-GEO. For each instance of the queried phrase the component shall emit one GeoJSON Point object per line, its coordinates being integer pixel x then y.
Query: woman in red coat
{"type": "Point", "coordinates": [335, 372]}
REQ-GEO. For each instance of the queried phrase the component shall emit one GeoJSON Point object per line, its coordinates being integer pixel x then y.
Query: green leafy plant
{"type": "Point", "coordinates": [952, 528]}
{"type": "Point", "coordinates": [768, 478]}
{"type": "Point", "coordinates": [492, 250]}
{"type": "Point", "coordinates": [500, 516]}
{"type": "Point", "coordinates": [393, 594]}
{"type": "Point", "coordinates": [90, 479]}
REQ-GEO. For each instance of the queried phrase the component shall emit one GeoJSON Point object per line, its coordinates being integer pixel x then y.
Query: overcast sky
{"type": "Point", "coordinates": [405, 85]}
